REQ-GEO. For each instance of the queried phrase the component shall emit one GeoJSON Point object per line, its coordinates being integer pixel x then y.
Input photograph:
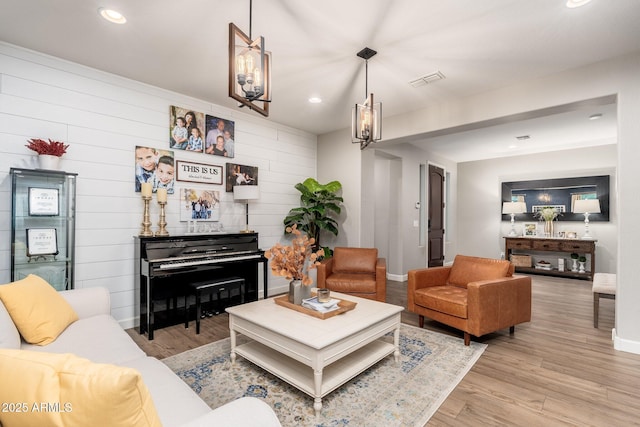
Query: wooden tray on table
{"type": "Point", "coordinates": [343, 307]}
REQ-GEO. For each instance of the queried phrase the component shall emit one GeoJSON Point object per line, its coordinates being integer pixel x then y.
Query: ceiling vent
{"type": "Point", "coordinates": [427, 79]}
{"type": "Point", "coordinates": [523, 137]}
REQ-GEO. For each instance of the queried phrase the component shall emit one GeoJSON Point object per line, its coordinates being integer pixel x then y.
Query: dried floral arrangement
{"type": "Point", "coordinates": [51, 148]}
{"type": "Point", "coordinates": [295, 261]}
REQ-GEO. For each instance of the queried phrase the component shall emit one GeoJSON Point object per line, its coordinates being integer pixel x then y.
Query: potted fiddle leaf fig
{"type": "Point", "coordinates": [319, 203]}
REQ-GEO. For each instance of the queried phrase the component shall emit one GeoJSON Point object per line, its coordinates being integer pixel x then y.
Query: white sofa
{"type": "Point", "coordinates": [98, 337]}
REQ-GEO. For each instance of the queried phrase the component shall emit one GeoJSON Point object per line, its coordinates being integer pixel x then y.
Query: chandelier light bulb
{"type": "Point", "coordinates": [249, 62]}
{"type": "Point", "coordinates": [240, 67]}
{"type": "Point", "coordinates": [366, 123]}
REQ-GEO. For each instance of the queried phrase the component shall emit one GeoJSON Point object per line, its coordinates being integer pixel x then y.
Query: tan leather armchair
{"type": "Point", "coordinates": [355, 271]}
{"type": "Point", "coordinates": [476, 295]}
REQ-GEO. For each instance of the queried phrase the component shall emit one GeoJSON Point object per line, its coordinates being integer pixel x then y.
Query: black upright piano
{"type": "Point", "coordinates": [166, 266]}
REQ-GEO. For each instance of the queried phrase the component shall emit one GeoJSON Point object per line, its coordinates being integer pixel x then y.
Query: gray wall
{"type": "Point", "coordinates": [480, 199]}
{"type": "Point", "coordinates": [617, 76]}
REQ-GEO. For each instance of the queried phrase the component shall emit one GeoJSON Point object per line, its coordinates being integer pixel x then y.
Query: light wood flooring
{"type": "Point", "coordinates": [556, 370]}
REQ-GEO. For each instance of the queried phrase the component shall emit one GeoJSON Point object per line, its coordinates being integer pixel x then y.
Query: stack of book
{"type": "Point", "coordinates": [322, 307]}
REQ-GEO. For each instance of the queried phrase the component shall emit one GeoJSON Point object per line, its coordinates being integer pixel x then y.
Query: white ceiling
{"type": "Point", "coordinates": [560, 128]}
{"type": "Point", "coordinates": [478, 45]}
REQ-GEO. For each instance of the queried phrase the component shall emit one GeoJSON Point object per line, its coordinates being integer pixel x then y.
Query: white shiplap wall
{"type": "Point", "coordinates": [103, 117]}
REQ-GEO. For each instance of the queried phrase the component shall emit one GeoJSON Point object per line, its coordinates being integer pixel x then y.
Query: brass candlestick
{"type": "Point", "coordinates": [146, 220]}
{"type": "Point", "coordinates": [162, 231]}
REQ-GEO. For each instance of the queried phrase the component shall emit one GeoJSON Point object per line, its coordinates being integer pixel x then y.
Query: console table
{"type": "Point", "coordinates": [534, 245]}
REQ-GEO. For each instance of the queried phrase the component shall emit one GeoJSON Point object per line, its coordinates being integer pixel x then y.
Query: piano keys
{"type": "Point", "coordinates": [191, 261]}
{"type": "Point", "coordinates": [166, 266]}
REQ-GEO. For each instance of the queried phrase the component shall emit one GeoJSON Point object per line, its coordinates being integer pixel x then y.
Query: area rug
{"type": "Point", "coordinates": [406, 393]}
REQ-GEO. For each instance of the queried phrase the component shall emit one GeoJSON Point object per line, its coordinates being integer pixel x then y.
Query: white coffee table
{"type": "Point", "coordinates": [315, 355]}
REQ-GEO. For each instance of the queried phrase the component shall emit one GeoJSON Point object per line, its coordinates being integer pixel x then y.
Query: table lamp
{"type": "Point", "coordinates": [246, 193]}
{"type": "Point", "coordinates": [513, 208]}
{"type": "Point", "coordinates": [586, 207]}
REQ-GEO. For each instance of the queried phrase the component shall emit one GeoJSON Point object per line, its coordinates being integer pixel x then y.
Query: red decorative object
{"type": "Point", "coordinates": [52, 148]}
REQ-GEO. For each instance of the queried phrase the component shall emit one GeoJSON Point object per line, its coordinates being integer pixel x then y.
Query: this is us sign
{"type": "Point", "coordinates": [198, 172]}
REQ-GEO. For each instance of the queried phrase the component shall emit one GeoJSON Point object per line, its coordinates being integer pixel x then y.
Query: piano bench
{"type": "Point", "coordinates": [210, 287]}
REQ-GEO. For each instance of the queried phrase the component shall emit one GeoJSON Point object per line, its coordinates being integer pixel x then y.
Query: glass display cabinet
{"type": "Point", "coordinates": [43, 225]}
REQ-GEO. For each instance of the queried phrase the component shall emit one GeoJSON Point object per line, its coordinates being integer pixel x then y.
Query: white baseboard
{"type": "Point", "coordinates": [277, 290]}
{"type": "Point", "coordinates": [623, 344]}
{"type": "Point", "coordinates": [397, 277]}
{"type": "Point", "coordinates": [129, 323]}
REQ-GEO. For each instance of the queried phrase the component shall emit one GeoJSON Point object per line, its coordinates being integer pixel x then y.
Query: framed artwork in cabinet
{"type": "Point", "coordinates": [42, 241]}
{"type": "Point", "coordinates": [43, 201]}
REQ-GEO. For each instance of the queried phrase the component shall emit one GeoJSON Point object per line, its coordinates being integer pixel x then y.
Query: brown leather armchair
{"type": "Point", "coordinates": [475, 295]}
{"type": "Point", "coordinates": [355, 271]}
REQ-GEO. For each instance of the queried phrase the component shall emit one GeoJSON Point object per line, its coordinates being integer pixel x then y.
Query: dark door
{"type": "Point", "coordinates": [435, 235]}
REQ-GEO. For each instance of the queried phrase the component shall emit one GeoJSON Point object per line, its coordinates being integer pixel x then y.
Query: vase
{"type": "Point", "coordinates": [49, 162]}
{"type": "Point", "coordinates": [298, 292]}
{"type": "Point", "coordinates": [548, 228]}
{"type": "Point", "coordinates": [581, 270]}
{"type": "Point", "coordinates": [574, 267]}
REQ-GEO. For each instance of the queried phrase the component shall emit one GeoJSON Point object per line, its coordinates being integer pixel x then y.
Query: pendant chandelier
{"type": "Point", "coordinates": [366, 124]}
{"type": "Point", "coordinates": [249, 69]}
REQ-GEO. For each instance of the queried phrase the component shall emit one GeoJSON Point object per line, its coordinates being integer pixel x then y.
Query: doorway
{"type": "Point", "coordinates": [435, 221]}
{"type": "Point", "coordinates": [387, 233]}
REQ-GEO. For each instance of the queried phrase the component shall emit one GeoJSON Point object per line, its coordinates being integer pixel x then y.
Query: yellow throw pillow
{"type": "Point", "coordinates": [39, 312]}
{"type": "Point", "coordinates": [66, 390]}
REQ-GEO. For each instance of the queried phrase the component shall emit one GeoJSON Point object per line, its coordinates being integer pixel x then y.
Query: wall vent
{"type": "Point", "coordinates": [427, 79]}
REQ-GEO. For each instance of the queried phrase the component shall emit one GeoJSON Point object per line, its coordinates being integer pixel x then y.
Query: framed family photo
{"type": "Point", "coordinates": [529, 229]}
{"type": "Point", "coordinates": [155, 166]}
{"type": "Point", "coordinates": [186, 129]}
{"type": "Point", "coordinates": [220, 139]}
{"type": "Point", "coordinates": [199, 205]}
{"type": "Point", "coordinates": [240, 175]}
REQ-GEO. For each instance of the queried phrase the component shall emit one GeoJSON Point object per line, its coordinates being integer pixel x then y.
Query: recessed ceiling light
{"type": "Point", "coordinates": [595, 116]}
{"type": "Point", "coordinates": [112, 15]}
{"type": "Point", "coordinates": [576, 3]}
{"type": "Point", "coordinates": [315, 100]}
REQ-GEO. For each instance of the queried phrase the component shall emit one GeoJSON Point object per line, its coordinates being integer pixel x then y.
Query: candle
{"type": "Point", "coordinates": [162, 195]}
{"type": "Point", "coordinates": [146, 189]}
{"type": "Point", "coordinates": [323, 295]}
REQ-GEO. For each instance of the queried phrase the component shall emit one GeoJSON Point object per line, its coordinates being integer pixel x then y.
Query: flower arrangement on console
{"type": "Point", "coordinates": [51, 148]}
{"type": "Point", "coordinates": [295, 261]}
{"type": "Point", "coordinates": [547, 213]}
